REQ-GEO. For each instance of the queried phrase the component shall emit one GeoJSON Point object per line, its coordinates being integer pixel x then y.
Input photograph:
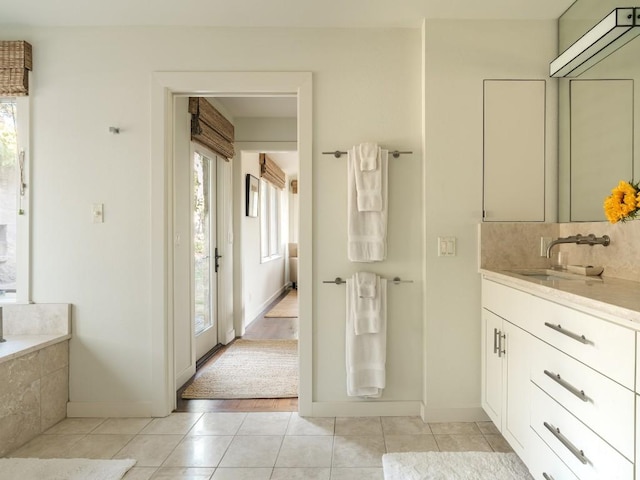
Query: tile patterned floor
{"type": "Point", "coordinates": [256, 446]}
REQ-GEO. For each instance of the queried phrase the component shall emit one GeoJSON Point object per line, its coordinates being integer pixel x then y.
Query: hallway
{"type": "Point", "coordinates": [263, 328]}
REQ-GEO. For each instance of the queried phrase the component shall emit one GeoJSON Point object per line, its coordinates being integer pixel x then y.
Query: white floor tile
{"type": "Point", "coordinates": [174, 424]}
{"type": "Point", "coordinates": [252, 451]}
{"type": "Point", "coordinates": [218, 424]}
{"type": "Point", "coordinates": [305, 451]}
{"type": "Point", "coordinates": [267, 423]}
{"type": "Point", "coordinates": [150, 450]}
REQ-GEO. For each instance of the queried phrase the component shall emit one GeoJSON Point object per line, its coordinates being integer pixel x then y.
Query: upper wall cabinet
{"type": "Point", "coordinates": [514, 150]}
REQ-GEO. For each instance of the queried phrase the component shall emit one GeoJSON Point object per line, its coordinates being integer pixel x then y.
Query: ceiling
{"type": "Point", "coordinates": [269, 13]}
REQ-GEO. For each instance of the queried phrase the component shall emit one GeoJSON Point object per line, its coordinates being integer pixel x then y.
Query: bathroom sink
{"type": "Point", "coordinates": [552, 275]}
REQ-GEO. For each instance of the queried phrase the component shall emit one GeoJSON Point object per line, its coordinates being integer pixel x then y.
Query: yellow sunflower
{"type": "Point", "coordinates": [623, 203]}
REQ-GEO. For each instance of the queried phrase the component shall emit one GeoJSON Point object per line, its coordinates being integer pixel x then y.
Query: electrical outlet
{"type": "Point", "coordinates": [544, 244]}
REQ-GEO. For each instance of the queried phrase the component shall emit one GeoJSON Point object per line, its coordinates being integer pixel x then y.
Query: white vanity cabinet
{"type": "Point", "coordinates": [579, 397]}
{"type": "Point", "coordinates": [505, 378]}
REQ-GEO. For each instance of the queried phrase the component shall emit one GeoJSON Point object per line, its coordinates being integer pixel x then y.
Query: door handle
{"type": "Point", "coordinates": [217, 257]}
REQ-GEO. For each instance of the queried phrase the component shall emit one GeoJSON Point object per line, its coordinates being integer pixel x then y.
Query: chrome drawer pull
{"type": "Point", "coordinates": [575, 336]}
{"type": "Point", "coordinates": [556, 378]}
{"type": "Point", "coordinates": [495, 340]}
{"type": "Point", "coordinates": [547, 477]}
{"type": "Point", "coordinates": [579, 454]}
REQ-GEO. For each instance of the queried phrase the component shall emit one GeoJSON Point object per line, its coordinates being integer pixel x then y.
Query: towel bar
{"type": "Point", "coordinates": [340, 281]}
{"type": "Point", "coordinates": [338, 153]}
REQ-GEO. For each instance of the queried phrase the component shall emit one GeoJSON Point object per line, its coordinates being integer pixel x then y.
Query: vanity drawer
{"type": "Point", "coordinates": [602, 404]}
{"type": "Point", "coordinates": [584, 452]}
{"type": "Point", "coordinates": [604, 346]}
{"type": "Point", "coordinates": [509, 303]}
{"type": "Point", "coordinates": [545, 462]}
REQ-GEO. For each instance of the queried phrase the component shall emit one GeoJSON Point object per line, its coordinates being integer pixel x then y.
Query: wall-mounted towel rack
{"type": "Point", "coordinates": [340, 281]}
{"type": "Point", "coordinates": [338, 153]}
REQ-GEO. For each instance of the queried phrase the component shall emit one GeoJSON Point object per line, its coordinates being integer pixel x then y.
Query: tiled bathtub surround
{"type": "Point", "coordinates": [34, 371]}
{"type": "Point", "coordinates": [37, 319]}
{"type": "Point", "coordinates": [509, 245]}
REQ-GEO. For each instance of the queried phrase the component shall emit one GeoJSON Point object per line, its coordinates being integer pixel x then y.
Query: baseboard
{"type": "Point", "coordinates": [436, 415]}
{"type": "Point", "coordinates": [365, 409]}
{"type": "Point", "coordinates": [109, 409]}
{"type": "Point", "coordinates": [260, 311]}
{"type": "Point", "coordinates": [184, 376]}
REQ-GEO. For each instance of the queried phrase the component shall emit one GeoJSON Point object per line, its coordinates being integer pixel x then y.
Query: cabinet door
{"type": "Point", "coordinates": [514, 150]}
{"type": "Point", "coordinates": [515, 412]}
{"type": "Point", "coordinates": [491, 367]}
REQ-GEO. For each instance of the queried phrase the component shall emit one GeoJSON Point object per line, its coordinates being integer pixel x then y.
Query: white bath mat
{"type": "Point", "coordinates": [454, 466]}
{"type": "Point", "coordinates": [63, 469]}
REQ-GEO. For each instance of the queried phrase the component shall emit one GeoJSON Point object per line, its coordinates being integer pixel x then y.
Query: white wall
{"type": "Point", "coordinates": [86, 80]}
{"type": "Point", "coordinates": [367, 87]}
{"type": "Point", "coordinates": [458, 57]}
{"type": "Point", "coordinates": [262, 282]}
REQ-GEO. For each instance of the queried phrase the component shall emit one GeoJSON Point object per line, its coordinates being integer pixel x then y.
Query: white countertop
{"type": "Point", "coordinates": [613, 298]}
{"type": "Point", "coordinates": [19, 345]}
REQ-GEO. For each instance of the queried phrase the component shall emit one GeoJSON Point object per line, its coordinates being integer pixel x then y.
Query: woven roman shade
{"type": "Point", "coordinates": [294, 186]}
{"type": "Point", "coordinates": [210, 128]}
{"type": "Point", "coordinates": [271, 172]}
{"type": "Point", "coordinates": [15, 62]}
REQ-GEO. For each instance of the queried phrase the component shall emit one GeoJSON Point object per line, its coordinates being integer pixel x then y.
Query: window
{"type": "Point", "coordinates": [14, 208]}
{"type": "Point", "coordinates": [270, 206]}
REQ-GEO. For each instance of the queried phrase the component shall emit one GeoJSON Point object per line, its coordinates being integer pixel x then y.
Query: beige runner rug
{"type": "Point", "coordinates": [285, 308]}
{"type": "Point", "coordinates": [250, 369]}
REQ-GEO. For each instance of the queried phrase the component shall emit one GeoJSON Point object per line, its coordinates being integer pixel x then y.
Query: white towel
{"type": "Point", "coordinates": [368, 175]}
{"type": "Point", "coordinates": [366, 303]}
{"type": "Point", "coordinates": [366, 284]}
{"type": "Point", "coordinates": [366, 354]}
{"type": "Point", "coordinates": [367, 231]}
{"type": "Point", "coordinates": [368, 156]}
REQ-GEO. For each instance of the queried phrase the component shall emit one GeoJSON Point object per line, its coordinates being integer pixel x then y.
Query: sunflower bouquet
{"type": "Point", "coordinates": [624, 202]}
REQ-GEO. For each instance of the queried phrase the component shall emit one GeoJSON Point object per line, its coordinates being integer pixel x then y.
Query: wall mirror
{"type": "Point", "coordinates": [599, 118]}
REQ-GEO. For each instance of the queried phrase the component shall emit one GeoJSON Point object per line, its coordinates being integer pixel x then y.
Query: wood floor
{"type": "Point", "coordinates": [260, 329]}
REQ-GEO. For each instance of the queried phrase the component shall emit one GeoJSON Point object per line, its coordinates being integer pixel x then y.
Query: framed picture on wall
{"type": "Point", "coordinates": [253, 192]}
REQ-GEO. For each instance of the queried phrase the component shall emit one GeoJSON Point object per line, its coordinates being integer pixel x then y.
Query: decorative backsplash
{"type": "Point", "coordinates": [517, 244]}
{"type": "Point", "coordinates": [621, 259]}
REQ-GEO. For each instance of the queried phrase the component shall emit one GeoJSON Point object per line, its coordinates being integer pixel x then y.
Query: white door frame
{"type": "Point", "coordinates": [164, 86]}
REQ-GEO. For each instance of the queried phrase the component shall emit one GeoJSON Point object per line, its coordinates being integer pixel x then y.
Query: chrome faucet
{"type": "Point", "coordinates": [590, 239]}
{"type": "Point", "coordinates": [2, 339]}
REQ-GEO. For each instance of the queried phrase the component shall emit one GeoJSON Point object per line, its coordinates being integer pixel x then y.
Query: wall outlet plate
{"type": "Point", "coordinates": [446, 246]}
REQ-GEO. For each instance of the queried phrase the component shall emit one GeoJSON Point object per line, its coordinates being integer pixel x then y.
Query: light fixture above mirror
{"type": "Point", "coordinates": [611, 33]}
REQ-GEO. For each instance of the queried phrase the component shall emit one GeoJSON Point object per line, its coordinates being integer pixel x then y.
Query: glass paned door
{"type": "Point", "coordinates": [204, 241]}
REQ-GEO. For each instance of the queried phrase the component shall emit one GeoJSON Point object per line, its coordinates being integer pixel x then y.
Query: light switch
{"type": "Point", "coordinates": [446, 246]}
{"type": "Point", "coordinates": [98, 212]}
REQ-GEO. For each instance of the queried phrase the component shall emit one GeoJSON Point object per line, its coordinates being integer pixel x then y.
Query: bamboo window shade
{"type": "Point", "coordinates": [210, 128]}
{"type": "Point", "coordinates": [16, 59]}
{"type": "Point", "coordinates": [271, 172]}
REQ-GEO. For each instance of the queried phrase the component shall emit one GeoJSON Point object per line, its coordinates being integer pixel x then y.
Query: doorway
{"type": "Point", "coordinates": [166, 87]}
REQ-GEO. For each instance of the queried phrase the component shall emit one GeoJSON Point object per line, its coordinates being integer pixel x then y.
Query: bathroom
{"type": "Point", "coordinates": [427, 98]}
